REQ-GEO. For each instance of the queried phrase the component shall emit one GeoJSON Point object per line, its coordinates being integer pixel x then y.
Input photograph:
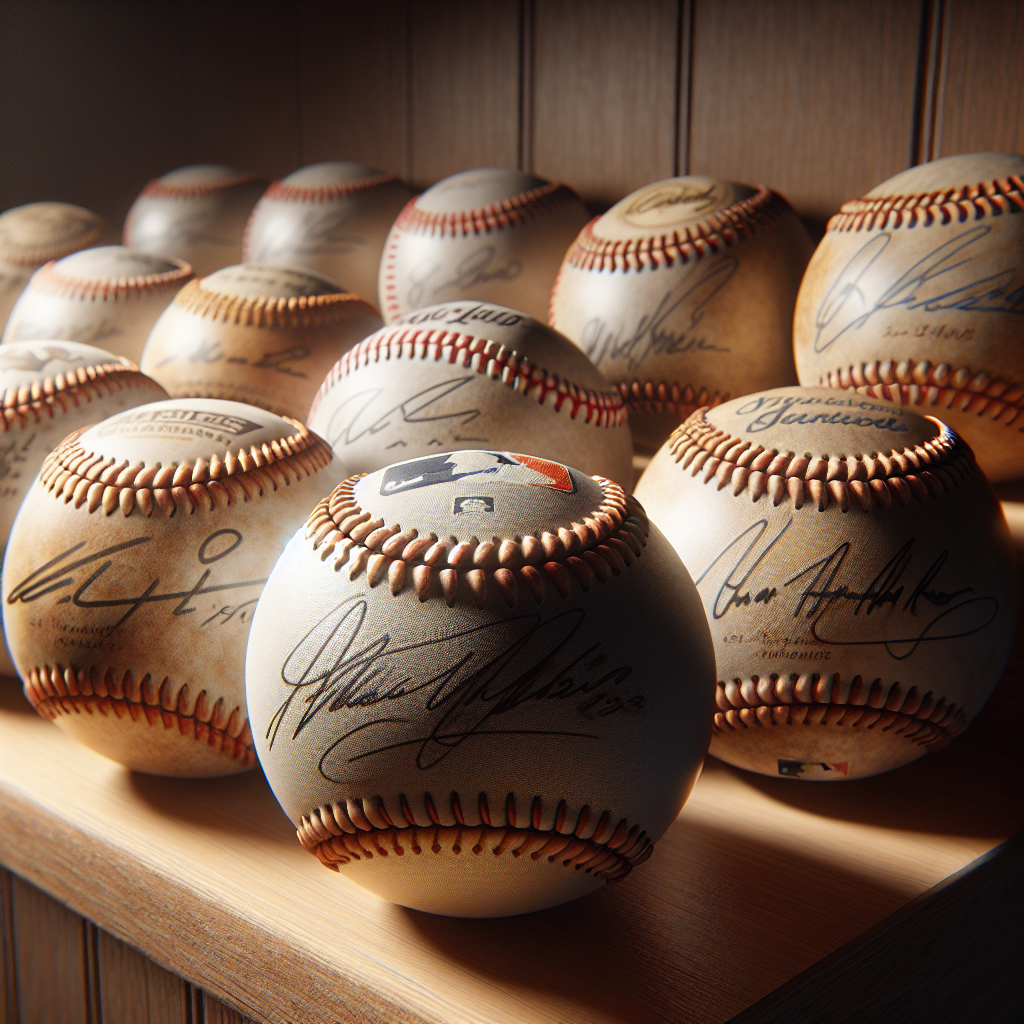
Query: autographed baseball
{"type": "Point", "coordinates": [916, 294]}
{"type": "Point", "coordinates": [50, 388]}
{"type": "Point", "coordinates": [197, 214]}
{"type": "Point", "coordinates": [480, 684]}
{"type": "Point", "coordinates": [33, 234]}
{"type": "Point", "coordinates": [856, 571]}
{"type": "Point", "coordinates": [109, 296]}
{"type": "Point", "coordinates": [132, 572]}
{"type": "Point", "coordinates": [492, 234]}
{"type": "Point", "coordinates": [471, 375]}
{"type": "Point", "coordinates": [333, 218]}
{"type": "Point", "coordinates": [262, 334]}
{"type": "Point", "coordinates": [683, 295]}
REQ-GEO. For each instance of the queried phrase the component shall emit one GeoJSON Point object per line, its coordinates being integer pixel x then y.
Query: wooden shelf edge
{"type": "Point", "coordinates": [912, 966]}
{"type": "Point", "coordinates": [180, 943]}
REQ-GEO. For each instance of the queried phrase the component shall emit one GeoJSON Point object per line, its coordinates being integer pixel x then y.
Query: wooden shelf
{"type": "Point", "coordinates": [756, 882]}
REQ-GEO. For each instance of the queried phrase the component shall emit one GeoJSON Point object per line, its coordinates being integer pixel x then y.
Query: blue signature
{"type": "Point", "coordinates": [927, 285]}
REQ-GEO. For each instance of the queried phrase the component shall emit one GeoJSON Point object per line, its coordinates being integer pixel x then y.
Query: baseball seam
{"type": "Point", "coordinates": [926, 470]}
{"type": "Point", "coordinates": [662, 397]}
{"type": "Point", "coordinates": [603, 545]}
{"type": "Point", "coordinates": [280, 191]}
{"type": "Point", "coordinates": [907, 382]}
{"type": "Point", "coordinates": [159, 189]}
{"type": "Point", "coordinates": [97, 481]}
{"type": "Point", "coordinates": [489, 358]}
{"type": "Point", "coordinates": [54, 691]}
{"type": "Point", "coordinates": [49, 280]}
{"type": "Point", "coordinates": [338, 833]}
{"type": "Point", "coordinates": [737, 223]}
{"type": "Point", "coordinates": [504, 214]}
{"type": "Point", "coordinates": [812, 699]}
{"type": "Point", "coordinates": [70, 390]}
{"type": "Point", "coordinates": [987, 199]}
{"type": "Point", "coordinates": [263, 311]}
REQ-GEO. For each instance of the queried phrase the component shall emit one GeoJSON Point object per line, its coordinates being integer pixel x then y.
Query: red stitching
{"type": "Point", "coordinates": [281, 191]}
{"type": "Point", "coordinates": [159, 189]}
{"type": "Point", "coordinates": [526, 206]}
{"type": "Point", "coordinates": [991, 198]}
{"type": "Point", "coordinates": [735, 224]}
{"type": "Point", "coordinates": [604, 409]}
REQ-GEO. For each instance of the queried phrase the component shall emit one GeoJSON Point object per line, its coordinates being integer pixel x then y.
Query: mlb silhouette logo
{"type": "Point", "coordinates": [473, 503]}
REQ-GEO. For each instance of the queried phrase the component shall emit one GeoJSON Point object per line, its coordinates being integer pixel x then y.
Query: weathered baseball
{"type": "Point", "coordinates": [197, 214]}
{"type": "Point", "coordinates": [480, 684]}
{"type": "Point", "coordinates": [262, 334]}
{"type": "Point", "coordinates": [109, 296]}
{"type": "Point", "coordinates": [916, 294]}
{"type": "Point", "coordinates": [470, 375]}
{"type": "Point", "coordinates": [683, 295]}
{"type": "Point", "coordinates": [856, 571]}
{"type": "Point", "coordinates": [333, 218]}
{"type": "Point", "coordinates": [50, 388]}
{"type": "Point", "coordinates": [33, 234]}
{"type": "Point", "coordinates": [133, 568]}
{"type": "Point", "coordinates": [492, 234]}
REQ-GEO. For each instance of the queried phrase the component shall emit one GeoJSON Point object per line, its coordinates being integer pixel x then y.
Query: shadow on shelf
{"type": "Point", "coordinates": [643, 935]}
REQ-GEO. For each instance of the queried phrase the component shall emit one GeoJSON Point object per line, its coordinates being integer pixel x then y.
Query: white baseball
{"type": "Point", "coordinates": [494, 235]}
{"type": "Point", "coordinates": [32, 235]}
{"type": "Point", "coordinates": [196, 214]}
{"type": "Point", "coordinates": [108, 296]}
{"type": "Point", "coordinates": [855, 569]}
{"type": "Point", "coordinates": [682, 294]}
{"type": "Point", "coordinates": [480, 683]}
{"type": "Point", "coordinates": [916, 295]}
{"type": "Point", "coordinates": [468, 375]}
{"type": "Point", "coordinates": [256, 333]}
{"type": "Point", "coordinates": [51, 388]}
{"type": "Point", "coordinates": [332, 217]}
{"type": "Point", "coordinates": [133, 568]}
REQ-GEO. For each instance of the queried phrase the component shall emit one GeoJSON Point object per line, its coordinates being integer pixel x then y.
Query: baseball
{"type": "Point", "coordinates": [132, 572]}
{"type": "Point", "coordinates": [332, 218]}
{"type": "Point", "coordinates": [262, 334]}
{"type": "Point", "coordinates": [856, 571]}
{"type": "Point", "coordinates": [916, 294]}
{"type": "Point", "coordinates": [493, 235]}
{"type": "Point", "coordinates": [683, 295]}
{"type": "Point", "coordinates": [109, 296]}
{"type": "Point", "coordinates": [480, 683]}
{"type": "Point", "coordinates": [34, 234]}
{"type": "Point", "coordinates": [471, 375]}
{"type": "Point", "coordinates": [197, 214]}
{"type": "Point", "coordinates": [50, 388]}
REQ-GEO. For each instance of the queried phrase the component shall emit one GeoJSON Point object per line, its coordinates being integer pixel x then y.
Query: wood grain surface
{"type": "Point", "coordinates": [133, 990]}
{"type": "Point", "coordinates": [981, 78]}
{"type": "Point", "coordinates": [813, 99]}
{"type": "Point", "coordinates": [605, 115]}
{"type": "Point", "coordinates": [757, 881]}
{"type": "Point", "coordinates": [53, 967]}
{"type": "Point", "coordinates": [464, 87]}
{"type": "Point", "coordinates": [355, 94]}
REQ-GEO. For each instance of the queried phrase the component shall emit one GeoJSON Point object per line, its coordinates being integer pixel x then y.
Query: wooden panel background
{"type": "Point", "coordinates": [821, 99]}
{"type": "Point", "coordinates": [58, 968]}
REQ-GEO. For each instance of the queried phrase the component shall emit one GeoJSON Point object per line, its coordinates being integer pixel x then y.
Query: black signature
{"type": "Point", "coordinates": [478, 682]}
{"type": "Point", "coordinates": [895, 589]}
{"type": "Point", "coordinates": [849, 303]}
{"type": "Point", "coordinates": [13, 453]}
{"type": "Point", "coordinates": [419, 408]}
{"type": "Point", "coordinates": [61, 572]}
{"type": "Point", "coordinates": [207, 351]}
{"type": "Point", "coordinates": [650, 337]}
{"type": "Point", "coordinates": [477, 268]}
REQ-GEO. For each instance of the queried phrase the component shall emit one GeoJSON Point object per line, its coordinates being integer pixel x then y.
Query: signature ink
{"type": "Point", "coordinates": [482, 681]}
